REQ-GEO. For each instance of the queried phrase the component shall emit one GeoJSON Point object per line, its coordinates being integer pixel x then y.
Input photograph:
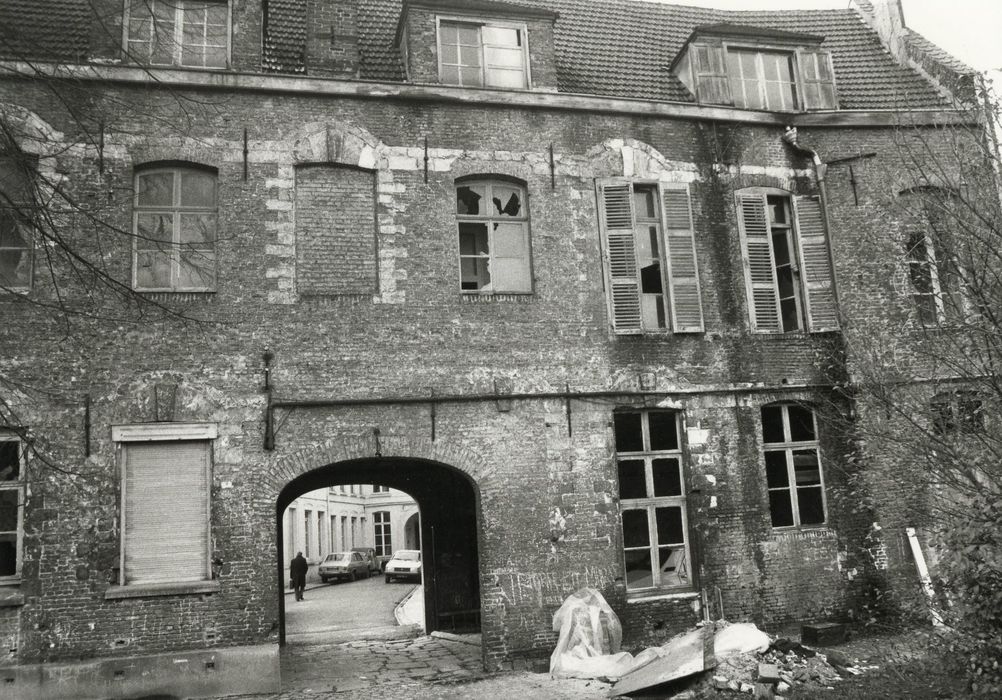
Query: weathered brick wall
{"type": "Point", "coordinates": [335, 213]}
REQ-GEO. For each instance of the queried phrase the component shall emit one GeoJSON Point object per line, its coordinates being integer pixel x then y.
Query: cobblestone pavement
{"type": "Point", "coordinates": [422, 668]}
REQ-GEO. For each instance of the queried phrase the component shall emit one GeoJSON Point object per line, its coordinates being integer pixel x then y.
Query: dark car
{"type": "Point", "coordinates": [406, 563]}
{"type": "Point", "coordinates": [370, 557]}
{"type": "Point", "coordinates": [343, 565]}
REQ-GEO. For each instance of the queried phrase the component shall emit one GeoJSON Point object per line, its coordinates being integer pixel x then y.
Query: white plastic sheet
{"type": "Point", "coordinates": [590, 638]}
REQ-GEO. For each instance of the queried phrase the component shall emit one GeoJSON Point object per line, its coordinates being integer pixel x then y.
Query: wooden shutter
{"type": "Point", "coordinates": [683, 276]}
{"type": "Point", "coordinates": [815, 265]}
{"type": "Point", "coordinates": [817, 79]}
{"type": "Point", "coordinates": [510, 269]}
{"type": "Point", "coordinates": [709, 68]}
{"type": "Point", "coordinates": [166, 518]}
{"type": "Point", "coordinates": [616, 222]}
{"type": "Point", "coordinates": [760, 266]}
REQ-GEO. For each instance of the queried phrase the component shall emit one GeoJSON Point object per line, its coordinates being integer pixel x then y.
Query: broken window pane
{"type": "Point", "coordinates": [632, 481]}
{"type": "Point", "coordinates": [629, 434]}
{"type": "Point", "coordinates": [776, 475]}
{"type": "Point", "coordinates": [468, 198]}
{"type": "Point", "coordinates": [667, 477]}
{"type": "Point", "coordinates": [663, 429]}
{"type": "Point", "coordinates": [780, 508]}
{"type": "Point", "coordinates": [772, 424]}
{"type": "Point", "coordinates": [635, 533]}
{"type": "Point", "coordinates": [801, 423]}
{"type": "Point", "coordinates": [506, 201]}
{"type": "Point", "coordinates": [674, 566]}
{"type": "Point", "coordinates": [670, 527]}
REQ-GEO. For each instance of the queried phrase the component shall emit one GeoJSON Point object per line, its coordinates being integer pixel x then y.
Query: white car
{"type": "Point", "coordinates": [405, 563]}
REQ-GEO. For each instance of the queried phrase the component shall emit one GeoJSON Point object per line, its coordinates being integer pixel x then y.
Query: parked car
{"type": "Point", "coordinates": [405, 563]}
{"type": "Point", "coordinates": [343, 565]}
{"type": "Point", "coordinates": [370, 557]}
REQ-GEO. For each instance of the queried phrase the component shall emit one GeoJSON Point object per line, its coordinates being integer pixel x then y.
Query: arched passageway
{"type": "Point", "coordinates": [447, 530]}
{"type": "Point", "coordinates": [412, 532]}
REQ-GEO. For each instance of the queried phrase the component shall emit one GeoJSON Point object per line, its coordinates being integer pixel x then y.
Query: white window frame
{"type": "Point", "coordinates": [480, 22]}
{"type": "Point", "coordinates": [650, 504]}
{"type": "Point", "coordinates": [123, 436]}
{"type": "Point", "coordinates": [760, 78]}
{"type": "Point", "coordinates": [18, 486]}
{"type": "Point", "coordinates": [788, 447]}
{"type": "Point", "coordinates": [382, 533]}
{"type": "Point", "coordinates": [177, 40]}
{"type": "Point", "coordinates": [489, 218]}
{"type": "Point", "coordinates": [175, 210]}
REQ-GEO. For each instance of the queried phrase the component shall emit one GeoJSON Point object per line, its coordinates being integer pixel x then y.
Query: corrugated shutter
{"type": "Point", "coordinates": [815, 265]}
{"type": "Point", "coordinates": [616, 221]}
{"type": "Point", "coordinates": [760, 267]}
{"type": "Point", "coordinates": [166, 511]}
{"type": "Point", "coordinates": [683, 275]}
{"type": "Point", "coordinates": [510, 268]}
{"type": "Point", "coordinates": [817, 78]}
{"type": "Point", "coordinates": [709, 67]}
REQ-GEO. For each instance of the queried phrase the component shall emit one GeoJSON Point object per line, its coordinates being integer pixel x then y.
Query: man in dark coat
{"type": "Point", "coordinates": [297, 571]}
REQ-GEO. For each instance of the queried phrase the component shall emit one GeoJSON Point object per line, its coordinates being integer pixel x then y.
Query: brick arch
{"type": "Point", "coordinates": [336, 142]}
{"type": "Point", "coordinates": [309, 459]}
{"type": "Point", "coordinates": [633, 158]}
{"type": "Point", "coordinates": [33, 134]}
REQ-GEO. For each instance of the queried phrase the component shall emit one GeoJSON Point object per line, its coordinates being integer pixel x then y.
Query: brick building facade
{"type": "Point", "coordinates": [576, 294]}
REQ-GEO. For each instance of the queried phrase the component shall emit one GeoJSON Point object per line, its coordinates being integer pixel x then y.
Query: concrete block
{"type": "Point", "coordinates": [768, 673]}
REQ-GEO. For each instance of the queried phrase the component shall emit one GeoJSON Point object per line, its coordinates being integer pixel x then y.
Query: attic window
{"type": "Point", "coordinates": [762, 79]}
{"type": "Point", "coordinates": [482, 54]}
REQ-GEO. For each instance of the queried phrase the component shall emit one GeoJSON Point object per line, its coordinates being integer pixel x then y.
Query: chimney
{"type": "Point", "coordinates": [887, 18]}
{"type": "Point", "coordinates": [332, 38]}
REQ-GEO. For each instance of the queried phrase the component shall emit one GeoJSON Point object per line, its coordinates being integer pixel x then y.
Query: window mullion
{"type": "Point", "coordinates": [792, 476]}
{"type": "Point", "coordinates": [654, 547]}
{"type": "Point", "coordinates": [178, 33]}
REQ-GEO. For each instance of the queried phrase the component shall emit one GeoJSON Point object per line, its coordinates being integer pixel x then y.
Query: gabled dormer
{"type": "Point", "coordinates": [757, 68]}
{"type": "Point", "coordinates": [478, 43]}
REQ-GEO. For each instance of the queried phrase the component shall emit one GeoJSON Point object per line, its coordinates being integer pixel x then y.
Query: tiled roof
{"type": "Point", "coordinates": [53, 29]}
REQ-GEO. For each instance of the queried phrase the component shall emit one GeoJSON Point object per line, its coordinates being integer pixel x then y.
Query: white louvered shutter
{"type": "Point", "coordinates": [683, 276]}
{"type": "Point", "coordinates": [815, 265]}
{"type": "Point", "coordinates": [166, 511]}
{"type": "Point", "coordinates": [760, 266]}
{"type": "Point", "coordinates": [616, 218]}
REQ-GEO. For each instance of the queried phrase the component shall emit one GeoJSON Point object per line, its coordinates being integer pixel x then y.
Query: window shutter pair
{"type": "Point", "coordinates": [617, 222]}
{"type": "Point", "coordinates": [816, 277]}
{"type": "Point", "coordinates": [817, 79]}
{"type": "Point", "coordinates": [709, 68]}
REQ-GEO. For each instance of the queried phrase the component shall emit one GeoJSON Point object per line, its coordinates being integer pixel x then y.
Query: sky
{"type": "Point", "coordinates": [971, 30]}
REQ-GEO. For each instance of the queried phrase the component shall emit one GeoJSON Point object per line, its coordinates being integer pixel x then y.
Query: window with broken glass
{"type": "Point", "coordinates": [174, 221]}
{"type": "Point", "coordinates": [12, 494]}
{"type": "Point", "coordinates": [493, 237]}
{"type": "Point", "coordinates": [792, 466]}
{"type": "Point", "coordinates": [481, 54]}
{"type": "Point", "coordinates": [190, 33]}
{"type": "Point", "coordinates": [652, 500]}
{"type": "Point", "coordinates": [15, 229]}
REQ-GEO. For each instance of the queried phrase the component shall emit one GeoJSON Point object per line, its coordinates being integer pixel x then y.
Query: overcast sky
{"type": "Point", "coordinates": [971, 30]}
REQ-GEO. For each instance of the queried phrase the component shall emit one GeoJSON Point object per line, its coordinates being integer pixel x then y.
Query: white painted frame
{"type": "Point", "coordinates": [481, 22]}
{"type": "Point", "coordinates": [179, 35]}
{"type": "Point", "coordinates": [20, 487]}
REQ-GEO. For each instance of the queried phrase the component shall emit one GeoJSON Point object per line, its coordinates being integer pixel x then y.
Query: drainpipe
{"type": "Point", "coordinates": [820, 170]}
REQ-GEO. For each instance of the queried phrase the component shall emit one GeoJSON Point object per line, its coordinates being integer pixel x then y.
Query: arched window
{"type": "Point", "coordinates": [792, 465]}
{"type": "Point", "coordinates": [174, 227]}
{"type": "Point", "coordinates": [493, 225]}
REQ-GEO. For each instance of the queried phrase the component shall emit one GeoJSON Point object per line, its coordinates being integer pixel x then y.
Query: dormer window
{"type": "Point", "coordinates": [755, 68]}
{"type": "Point", "coordinates": [482, 54]}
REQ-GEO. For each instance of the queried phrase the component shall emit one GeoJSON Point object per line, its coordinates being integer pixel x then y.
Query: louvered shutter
{"type": "Point", "coordinates": [616, 220]}
{"type": "Point", "coordinates": [166, 511]}
{"type": "Point", "coordinates": [683, 277]}
{"type": "Point", "coordinates": [815, 265]}
{"type": "Point", "coordinates": [709, 68]}
{"type": "Point", "coordinates": [760, 266]}
{"type": "Point", "coordinates": [817, 79]}
{"type": "Point", "coordinates": [510, 269]}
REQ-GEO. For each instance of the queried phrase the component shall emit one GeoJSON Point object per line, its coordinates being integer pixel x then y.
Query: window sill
{"type": "Point", "coordinates": [150, 590]}
{"type": "Point", "coordinates": [652, 596]}
{"type": "Point", "coordinates": [177, 295]}
{"type": "Point", "coordinates": [489, 297]}
{"type": "Point", "coordinates": [10, 597]}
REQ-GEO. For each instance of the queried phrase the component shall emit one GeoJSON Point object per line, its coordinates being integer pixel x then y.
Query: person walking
{"type": "Point", "coordinates": [297, 571]}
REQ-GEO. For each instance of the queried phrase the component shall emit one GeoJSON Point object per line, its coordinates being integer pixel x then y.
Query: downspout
{"type": "Point", "coordinates": [820, 170]}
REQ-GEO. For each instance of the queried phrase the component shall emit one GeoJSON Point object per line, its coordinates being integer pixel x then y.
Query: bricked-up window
{"type": "Point", "coordinates": [174, 225]}
{"type": "Point", "coordinates": [650, 256]}
{"type": "Point", "coordinates": [792, 466]}
{"type": "Point", "coordinates": [165, 503]}
{"type": "Point", "coordinates": [335, 231]}
{"type": "Point", "coordinates": [493, 237]}
{"type": "Point", "coordinates": [190, 33]}
{"type": "Point", "coordinates": [15, 222]}
{"type": "Point", "coordinates": [652, 500]}
{"type": "Point", "coordinates": [381, 532]}
{"type": "Point", "coordinates": [788, 274]}
{"type": "Point", "coordinates": [12, 496]}
{"type": "Point", "coordinates": [483, 54]}
{"type": "Point", "coordinates": [958, 412]}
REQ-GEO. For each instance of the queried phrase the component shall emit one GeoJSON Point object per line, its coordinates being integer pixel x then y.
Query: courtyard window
{"type": "Point", "coordinates": [493, 237]}
{"type": "Point", "coordinates": [650, 257]}
{"type": "Point", "coordinates": [15, 229]}
{"type": "Point", "coordinates": [652, 500]}
{"type": "Point", "coordinates": [174, 225]}
{"type": "Point", "coordinates": [12, 494]}
{"type": "Point", "coordinates": [166, 473]}
{"type": "Point", "coordinates": [482, 54]}
{"type": "Point", "coordinates": [958, 412]}
{"type": "Point", "coordinates": [792, 466]}
{"type": "Point", "coordinates": [381, 532]}
{"type": "Point", "coordinates": [788, 272]}
{"type": "Point", "coordinates": [190, 33]}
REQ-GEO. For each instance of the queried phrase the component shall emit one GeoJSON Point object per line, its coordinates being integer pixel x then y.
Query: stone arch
{"type": "Point", "coordinates": [308, 459]}
{"type": "Point", "coordinates": [33, 134]}
{"type": "Point", "coordinates": [336, 142]}
{"type": "Point", "coordinates": [633, 158]}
